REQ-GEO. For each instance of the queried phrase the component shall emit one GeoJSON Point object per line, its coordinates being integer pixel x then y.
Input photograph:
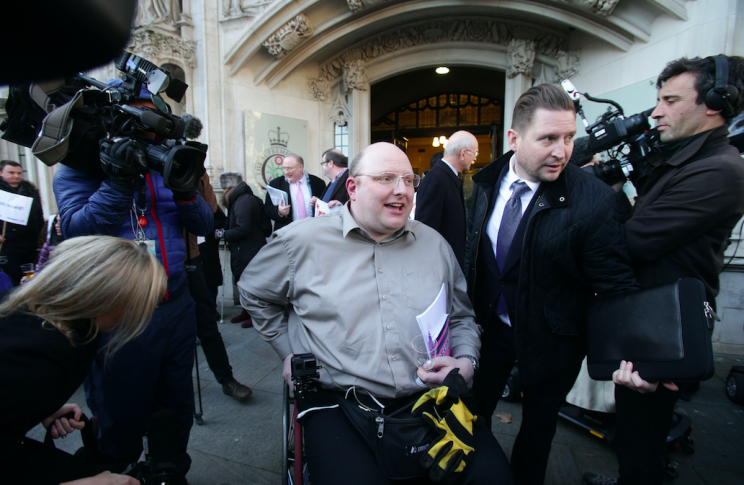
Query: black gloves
{"type": "Point", "coordinates": [450, 410]}
{"type": "Point", "coordinates": [122, 160]}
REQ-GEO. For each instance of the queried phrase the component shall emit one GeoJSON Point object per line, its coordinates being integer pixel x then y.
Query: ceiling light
{"type": "Point", "coordinates": [435, 143]}
{"type": "Point", "coordinates": [442, 70]}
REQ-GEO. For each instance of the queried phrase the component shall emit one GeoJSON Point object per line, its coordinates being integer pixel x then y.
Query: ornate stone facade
{"type": "Point", "coordinates": [153, 45]}
{"type": "Point", "coordinates": [232, 9]}
{"type": "Point", "coordinates": [354, 76]}
{"type": "Point", "coordinates": [289, 36]}
{"type": "Point", "coordinates": [441, 31]}
{"type": "Point", "coordinates": [164, 14]}
{"type": "Point", "coordinates": [603, 8]}
{"type": "Point", "coordinates": [521, 55]}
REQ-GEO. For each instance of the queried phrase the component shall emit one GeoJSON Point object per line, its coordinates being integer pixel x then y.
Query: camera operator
{"type": "Point", "coordinates": [51, 329]}
{"type": "Point", "coordinates": [689, 199]}
{"type": "Point", "coordinates": [153, 372]}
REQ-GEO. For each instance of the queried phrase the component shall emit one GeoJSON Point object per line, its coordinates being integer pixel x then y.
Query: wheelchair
{"type": "Point", "coordinates": [294, 466]}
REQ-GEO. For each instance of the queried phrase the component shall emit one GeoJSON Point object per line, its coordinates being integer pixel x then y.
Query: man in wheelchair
{"type": "Point", "coordinates": [347, 287]}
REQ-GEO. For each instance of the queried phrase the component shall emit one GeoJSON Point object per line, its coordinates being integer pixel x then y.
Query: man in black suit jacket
{"type": "Point", "coordinates": [295, 179]}
{"type": "Point", "coordinates": [335, 166]}
{"type": "Point", "coordinates": [439, 201]}
{"type": "Point", "coordinates": [543, 239]}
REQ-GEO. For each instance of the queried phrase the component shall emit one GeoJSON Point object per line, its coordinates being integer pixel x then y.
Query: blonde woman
{"type": "Point", "coordinates": [50, 330]}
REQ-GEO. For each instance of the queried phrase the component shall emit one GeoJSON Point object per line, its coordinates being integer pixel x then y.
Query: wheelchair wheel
{"type": "Point", "coordinates": [294, 469]}
{"type": "Point", "coordinates": [285, 436]}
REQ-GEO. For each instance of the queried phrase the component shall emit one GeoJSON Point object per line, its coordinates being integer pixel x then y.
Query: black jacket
{"type": "Point", "coordinates": [210, 252]}
{"type": "Point", "coordinates": [339, 191]}
{"type": "Point", "coordinates": [243, 232]}
{"type": "Point", "coordinates": [317, 187]}
{"type": "Point", "coordinates": [23, 238]}
{"type": "Point", "coordinates": [685, 211]}
{"type": "Point", "coordinates": [440, 205]}
{"type": "Point", "coordinates": [572, 248]}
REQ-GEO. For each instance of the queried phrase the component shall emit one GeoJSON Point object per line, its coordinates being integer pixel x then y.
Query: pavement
{"type": "Point", "coordinates": [240, 443]}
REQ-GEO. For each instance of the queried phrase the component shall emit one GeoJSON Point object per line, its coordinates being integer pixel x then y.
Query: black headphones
{"type": "Point", "coordinates": [723, 96]}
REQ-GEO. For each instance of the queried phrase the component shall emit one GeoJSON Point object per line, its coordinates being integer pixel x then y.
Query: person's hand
{"type": "Point", "coordinates": [334, 203]}
{"type": "Point", "coordinates": [618, 186]}
{"type": "Point", "coordinates": [2, 239]}
{"type": "Point", "coordinates": [219, 233]}
{"type": "Point", "coordinates": [25, 279]}
{"type": "Point", "coordinates": [61, 427]}
{"type": "Point", "coordinates": [122, 160]}
{"type": "Point", "coordinates": [283, 209]}
{"type": "Point", "coordinates": [625, 376]}
{"type": "Point", "coordinates": [105, 478]}
{"type": "Point", "coordinates": [287, 372]}
{"type": "Point", "coordinates": [313, 201]}
{"type": "Point", "coordinates": [435, 370]}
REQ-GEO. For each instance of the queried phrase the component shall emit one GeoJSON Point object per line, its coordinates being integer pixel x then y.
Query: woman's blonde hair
{"type": "Point", "coordinates": [87, 277]}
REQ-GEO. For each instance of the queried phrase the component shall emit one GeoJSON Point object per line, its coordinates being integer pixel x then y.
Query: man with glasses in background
{"type": "Point", "coordinates": [301, 188]}
{"type": "Point", "coordinates": [440, 203]}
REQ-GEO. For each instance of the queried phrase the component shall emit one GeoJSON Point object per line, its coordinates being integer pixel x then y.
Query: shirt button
{"type": "Point", "coordinates": [389, 327]}
{"type": "Point", "coordinates": [379, 270]}
{"type": "Point", "coordinates": [392, 358]}
{"type": "Point", "coordinates": [384, 297]}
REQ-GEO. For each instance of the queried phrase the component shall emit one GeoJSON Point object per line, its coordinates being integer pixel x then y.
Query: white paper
{"type": "Point", "coordinates": [277, 196]}
{"type": "Point", "coordinates": [433, 324]}
{"type": "Point", "coordinates": [15, 208]}
{"type": "Point", "coordinates": [322, 208]}
{"type": "Point", "coordinates": [200, 239]}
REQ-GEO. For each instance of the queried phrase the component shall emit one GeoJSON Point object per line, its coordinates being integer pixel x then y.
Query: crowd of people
{"type": "Point", "coordinates": [127, 283]}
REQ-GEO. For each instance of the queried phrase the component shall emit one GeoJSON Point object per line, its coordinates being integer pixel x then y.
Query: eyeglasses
{"type": "Point", "coordinates": [473, 152]}
{"type": "Point", "coordinates": [390, 179]}
{"type": "Point", "coordinates": [289, 169]}
{"type": "Point", "coordinates": [324, 162]}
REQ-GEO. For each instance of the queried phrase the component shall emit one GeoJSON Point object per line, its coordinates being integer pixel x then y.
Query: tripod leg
{"type": "Point", "coordinates": [198, 414]}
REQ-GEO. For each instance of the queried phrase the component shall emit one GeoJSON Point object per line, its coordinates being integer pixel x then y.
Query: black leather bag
{"type": "Point", "coordinates": [665, 332]}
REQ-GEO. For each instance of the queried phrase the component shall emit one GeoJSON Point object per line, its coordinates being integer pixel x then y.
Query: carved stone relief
{"type": "Point", "coordinates": [602, 8]}
{"type": "Point", "coordinates": [320, 89]}
{"type": "Point", "coordinates": [521, 56]}
{"type": "Point", "coordinates": [164, 14]}
{"type": "Point", "coordinates": [340, 113]}
{"type": "Point", "coordinates": [232, 9]}
{"type": "Point", "coordinates": [355, 5]}
{"type": "Point", "coordinates": [354, 76]}
{"type": "Point", "coordinates": [153, 45]}
{"type": "Point", "coordinates": [567, 65]}
{"type": "Point", "coordinates": [289, 36]}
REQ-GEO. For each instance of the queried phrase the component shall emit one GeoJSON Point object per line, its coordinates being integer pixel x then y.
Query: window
{"type": "Point", "coordinates": [341, 137]}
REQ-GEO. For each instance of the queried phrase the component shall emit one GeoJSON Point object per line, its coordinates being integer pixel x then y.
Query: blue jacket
{"type": "Point", "coordinates": [90, 205]}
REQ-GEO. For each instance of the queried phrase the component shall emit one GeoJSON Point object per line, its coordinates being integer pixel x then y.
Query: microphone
{"type": "Point", "coordinates": [582, 152]}
{"type": "Point", "coordinates": [193, 126]}
{"type": "Point", "coordinates": [147, 118]}
{"type": "Point", "coordinates": [161, 445]}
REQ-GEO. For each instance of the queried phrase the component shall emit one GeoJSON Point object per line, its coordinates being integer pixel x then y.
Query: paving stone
{"type": "Point", "coordinates": [208, 469]}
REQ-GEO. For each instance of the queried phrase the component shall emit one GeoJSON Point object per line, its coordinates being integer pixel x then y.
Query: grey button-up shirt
{"type": "Point", "coordinates": [353, 301]}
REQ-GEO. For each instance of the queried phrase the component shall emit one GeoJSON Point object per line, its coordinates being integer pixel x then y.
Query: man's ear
{"type": "Point", "coordinates": [512, 137]}
{"type": "Point", "coordinates": [351, 187]}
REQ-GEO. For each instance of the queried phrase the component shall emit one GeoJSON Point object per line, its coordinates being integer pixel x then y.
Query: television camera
{"type": "Point", "coordinates": [628, 141]}
{"type": "Point", "coordinates": [71, 120]}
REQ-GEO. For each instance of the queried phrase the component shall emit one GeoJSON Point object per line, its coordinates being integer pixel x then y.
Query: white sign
{"type": "Point", "coordinates": [15, 208]}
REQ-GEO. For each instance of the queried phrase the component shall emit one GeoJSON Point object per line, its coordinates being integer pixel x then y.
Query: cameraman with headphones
{"type": "Point", "coordinates": [153, 371]}
{"type": "Point", "coordinates": [690, 197]}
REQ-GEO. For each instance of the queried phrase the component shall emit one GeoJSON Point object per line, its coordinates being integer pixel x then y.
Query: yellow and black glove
{"type": "Point", "coordinates": [450, 410]}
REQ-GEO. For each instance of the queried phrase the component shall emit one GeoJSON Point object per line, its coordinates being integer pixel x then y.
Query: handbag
{"type": "Point", "coordinates": [664, 331]}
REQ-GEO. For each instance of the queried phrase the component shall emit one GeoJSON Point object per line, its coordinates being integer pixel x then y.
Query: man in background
{"type": "Point", "coordinates": [18, 242]}
{"type": "Point", "coordinates": [439, 202]}
{"type": "Point", "coordinates": [300, 186]}
{"type": "Point", "coordinates": [335, 167]}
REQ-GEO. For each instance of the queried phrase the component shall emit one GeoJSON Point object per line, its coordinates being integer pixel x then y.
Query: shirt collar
{"type": "Point", "coordinates": [350, 224]}
{"type": "Point", "coordinates": [511, 177]}
{"type": "Point", "coordinates": [451, 167]}
{"type": "Point", "coordinates": [338, 175]}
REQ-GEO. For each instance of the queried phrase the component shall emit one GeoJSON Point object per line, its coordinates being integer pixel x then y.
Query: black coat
{"type": "Point", "coordinates": [17, 236]}
{"type": "Point", "coordinates": [41, 370]}
{"type": "Point", "coordinates": [440, 205]}
{"type": "Point", "coordinates": [243, 232]}
{"type": "Point", "coordinates": [684, 213]}
{"type": "Point", "coordinates": [572, 248]}
{"type": "Point", "coordinates": [339, 191]}
{"type": "Point", "coordinates": [317, 187]}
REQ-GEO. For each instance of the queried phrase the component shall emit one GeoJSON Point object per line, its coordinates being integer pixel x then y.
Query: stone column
{"type": "Point", "coordinates": [521, 56]}
{"type": "Point", "coordinates": [360, 129]}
